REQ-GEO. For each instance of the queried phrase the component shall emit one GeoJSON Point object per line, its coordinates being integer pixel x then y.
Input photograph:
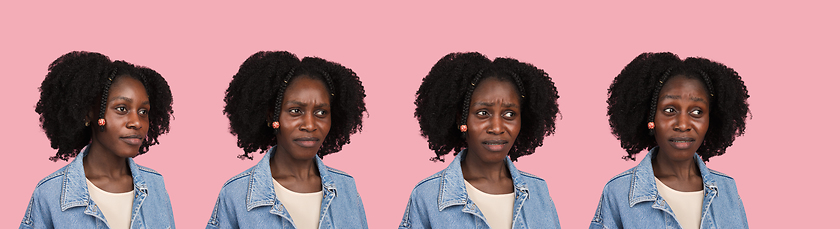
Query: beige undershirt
{"type": "Point", "coordinates": [303, 207]}
{"type": "Point", "coordinates": [687, 206]}
{"type": "Point", "coordinates": [497, 209]}
{"type": "Point", "coordinates": [116, 207]}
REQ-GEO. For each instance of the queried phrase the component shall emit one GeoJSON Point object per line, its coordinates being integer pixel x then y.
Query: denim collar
{"type": "Point", "coordinates": [261, 186]}
{"type": "Point", "coordinates": [453, 191]}
{"type": "Point", "coordinates": [643, 186]}
{"type": "Point", "coordinates": [74, 191]}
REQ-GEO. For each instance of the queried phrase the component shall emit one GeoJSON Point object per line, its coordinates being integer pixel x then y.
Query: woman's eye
{"type": "Point", "coordinates": [143, 111]}
{"type": "Point", "coordinates": [696, 112]}
{"type": "Point", "coordinates": [295, 111]}
{"type": "Point", "coordinates": [320, 112]}
{"type": "Point", "coordinates": [669, 110]}
{"type": "Point", "coordinates": [121, 109]}
{"type": "Point", "coordinates": [509, 114]}
{"type": "Point", "coordinates": [482, 113]}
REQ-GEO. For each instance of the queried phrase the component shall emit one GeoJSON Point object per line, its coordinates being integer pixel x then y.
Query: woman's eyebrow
{"type": "Point", "coordinates": [698, 99]}
{"type": "Point", "coordinates": [299, 103]}
{"type": "Point", "coordinates": [123, 98]}
{"type": "Point", "coordinates": [490, 104]}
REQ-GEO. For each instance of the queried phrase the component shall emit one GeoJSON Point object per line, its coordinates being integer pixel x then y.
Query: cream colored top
{"type": "Point", "coordinates": [687, 206]}
{"type": "Point", "coordinates": [496, 208]}
{"type": "Point", "coordinates": [115, 206]}
{"type": "Point", "coordinates": [303, 207]}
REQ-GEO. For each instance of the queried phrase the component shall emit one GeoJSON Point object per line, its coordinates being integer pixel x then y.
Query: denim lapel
{"type": "Point", "coordinates": [710, 189]}
{"type": "Point", "coordinates": [261, 188]}
{"type": "Point", "coordinates": [328, 187]}
{"type": "Point", "coordinates": [643, 185]}
{"type": "Point", "coordinates": [453, 191]}
{"type": "Point", "coordinates": [141, 191]}
{"type": "Point", "coordinates": [74, 192]}
{"type": "Point", "coordinates": [520, 188]}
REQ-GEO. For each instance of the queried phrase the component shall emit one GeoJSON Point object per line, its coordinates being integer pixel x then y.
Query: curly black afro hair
{"type": "Point", "coordinates": [633, 94]}
{"type": "Point", "coordinates": [77, 84]}
{"type": "Point", "coordinates": [259, 86]}
{"type": "Point", "coordinates": [444, 96]}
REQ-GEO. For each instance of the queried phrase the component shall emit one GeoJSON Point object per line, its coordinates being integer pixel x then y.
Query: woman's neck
{"type": "Point", "coordinates": [107, 171]}
{"type": "Point", "coordinates": [294, 174]}
{"type": "Point", "coordinates": [489, 177]}
{"type": "Point", "coordinates": [681, 175]}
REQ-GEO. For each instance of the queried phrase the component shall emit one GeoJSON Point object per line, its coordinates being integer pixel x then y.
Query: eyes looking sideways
{"type": "Point", "coordinates": [127, 103]}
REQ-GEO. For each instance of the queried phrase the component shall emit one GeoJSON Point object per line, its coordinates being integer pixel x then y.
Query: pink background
{"type": "Point", "coordinates": [786, 54]}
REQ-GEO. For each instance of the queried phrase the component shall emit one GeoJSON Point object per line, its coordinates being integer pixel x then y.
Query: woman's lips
{"type": "Point", "coordinates": [681, 143]}
{"type": "Point", "coordinates": [307, 142]}
{"type": "Point", "coordinates": [494, 145]}
{"type": "Point", "coordinates": [133, 140]}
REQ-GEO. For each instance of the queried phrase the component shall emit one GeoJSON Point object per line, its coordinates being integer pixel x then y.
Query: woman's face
{"type": "Point", "coordinates": [304, 118]}
{"type": "Point", "coordinates": [682, 117]}
{"type": "Point", "coordinates": [126, 118]}
{"type": "Point", "coordinates": [493, 122]}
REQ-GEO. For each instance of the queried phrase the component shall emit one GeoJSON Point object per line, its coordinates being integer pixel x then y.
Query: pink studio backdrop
{"type": "Point", "coordinates": [786, 54]}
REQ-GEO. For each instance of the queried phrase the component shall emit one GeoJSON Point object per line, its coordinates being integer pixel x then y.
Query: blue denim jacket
{"type": "Point", "coordinates": [630, 200]}
{"type": "Point", "coordinates": [61, 200]}
{"type": "Point", "coordinates": [441, 201]}
{"type": "Point", "coordinates": [248, 200]}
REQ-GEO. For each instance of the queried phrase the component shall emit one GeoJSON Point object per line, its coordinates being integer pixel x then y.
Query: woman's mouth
{"type": "Point", "coordinates": [681, 143]}
{"type": "Point", "coordinates": [133, 140]}
{"type": "Point", "coordinates": [494, 145]}
{"type": "Point", "coordinates": [306, 142]}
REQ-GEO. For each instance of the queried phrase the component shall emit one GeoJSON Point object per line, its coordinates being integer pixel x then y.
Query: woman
{"type": "Point", "coordinates": [684, 112]}
{"type": "Point", "coordinates": [304, 110]}
{"type": "Point", "coordinates": [485, 111]}
{"type": "Point", "coordinates": [103, 113]}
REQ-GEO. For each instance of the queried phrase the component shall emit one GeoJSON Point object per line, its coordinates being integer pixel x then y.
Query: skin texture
{"type": "Point", "coordinates": [682, 119]}
{"type": "Point", "coordinates": [127, 123]}
{"type": "Point", "coordinates": [492, 126]}
{"type": "Point", "coordinates": [305, 121]}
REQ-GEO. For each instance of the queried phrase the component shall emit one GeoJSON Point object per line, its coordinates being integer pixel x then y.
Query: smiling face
{"type": "Point", "coordinates": [126, 116]}
{"type": "Point", "coordinates": [682, 117]}
{"type": "Point", "coordinates": [493, 122]}
{"type": "Point", "coordinates": [305, 118]}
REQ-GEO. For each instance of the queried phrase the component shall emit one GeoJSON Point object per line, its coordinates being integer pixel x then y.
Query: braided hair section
{"type": "Point", "coordinates": [104, 101]}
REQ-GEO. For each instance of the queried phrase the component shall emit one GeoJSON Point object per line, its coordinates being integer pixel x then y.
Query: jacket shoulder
{"type": "Point", "coordinates": [239, 177]}
{"type": "Point", "coordinates": [431, 180]}
{"type": "Point", "coordinates": [53, 177]}
{"type": "Point", "coordinates": [531, 176]}
{"type": "Point", "coordinates": [627, 174]}
{"type": "Point", "coordinates": [720, 174]}
{"type": "Point", "coordinates": [534, 180]}
{"type": "Point", "coordinates": [340, 173]}
{"type": "Point", "coordinates": [148, 170]}
{"type": "Point", "coordinates": [722, 180]}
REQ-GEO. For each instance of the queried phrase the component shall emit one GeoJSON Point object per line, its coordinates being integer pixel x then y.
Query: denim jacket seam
{"type": "Point", "coordinates": [715, 172]}
{"type": "Point", "coordinates": [147, 169]}
{"type": "Point", "coordinates": [531, 175]}
{"type": "Point", "coordinates": [336, 171]}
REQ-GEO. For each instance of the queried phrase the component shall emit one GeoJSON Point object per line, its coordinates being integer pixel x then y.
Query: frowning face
{"type": "Point", "coordinates": [305, 118]}
{"type": "Point", "coordinates": [494, 120]}
{"type": "Point", "coordinates": [682, 117]}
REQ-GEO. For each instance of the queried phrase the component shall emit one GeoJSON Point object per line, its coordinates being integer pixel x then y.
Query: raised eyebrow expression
{"type": "Point", "coordinates": [490, 104]}
{"type": "Point", "coordinates": [696, 99]}
{"type": "Point", "coordinates": [302, 104]}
